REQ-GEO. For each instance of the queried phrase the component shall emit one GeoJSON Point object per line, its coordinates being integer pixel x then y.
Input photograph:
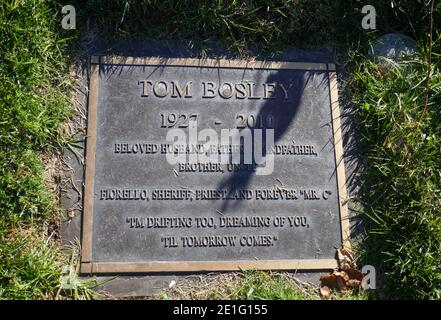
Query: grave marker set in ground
{"type": "Point", "coordinates": [212, 164]}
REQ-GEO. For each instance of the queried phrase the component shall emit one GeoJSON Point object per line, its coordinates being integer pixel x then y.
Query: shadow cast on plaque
{"type": "Point", "coordinates": [241, 179]}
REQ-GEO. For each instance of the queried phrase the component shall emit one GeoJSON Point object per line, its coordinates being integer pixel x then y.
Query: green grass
{"type": "Point", "coordinates": [263, 285]}
{"type": "Point", "coordinates": [401, 195]}
{"type": "Point", "coordinates": [240, 25]}
{"type": "Point", "coordinates": [257, 285]}
{"type": "Point", "coordinates": [263, 26]}
{"type": "Point", "coordinates": [402, 192]}
{"type": "Point", "coordinates": [34, 101]}
{"type": "Point", "coordinates": [29, 268]}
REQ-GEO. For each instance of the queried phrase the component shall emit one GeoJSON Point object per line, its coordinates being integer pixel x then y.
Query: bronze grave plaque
{"type": "Point", "coordinates": [205, 165]}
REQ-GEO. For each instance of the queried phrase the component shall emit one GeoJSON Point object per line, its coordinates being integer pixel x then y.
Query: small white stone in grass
{"type": "Point", "coordinates": [172, 283]}
{"type": "Point", "coordinates": [250, 292]}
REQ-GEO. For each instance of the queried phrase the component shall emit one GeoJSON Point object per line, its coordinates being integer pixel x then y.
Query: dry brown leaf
{"type": "Point", "coordinates": [353, 283]}
{"type": "Point", "coordinates": [342, 274]}
{"type": "Point", "coordinates": [345, 278]}
{"type": "Point", "coordinates": [341, 285]}
{"type": "Point", "coordinates": [325, 292]}
{"type": "Point", "coordinates": [341, 279]}
{"type": "Point", "coordinates": [345, 259]}
{"type": "Point", "coordinates": [355, 274]}
{"type": "Point", "coordinates": [328, 280]}
{"type": "Point", "coordinates": [347, 253]}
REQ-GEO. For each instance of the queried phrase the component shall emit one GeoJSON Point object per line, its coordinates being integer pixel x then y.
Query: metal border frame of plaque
{"type": "Point", "coordinates": [87, 263]}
